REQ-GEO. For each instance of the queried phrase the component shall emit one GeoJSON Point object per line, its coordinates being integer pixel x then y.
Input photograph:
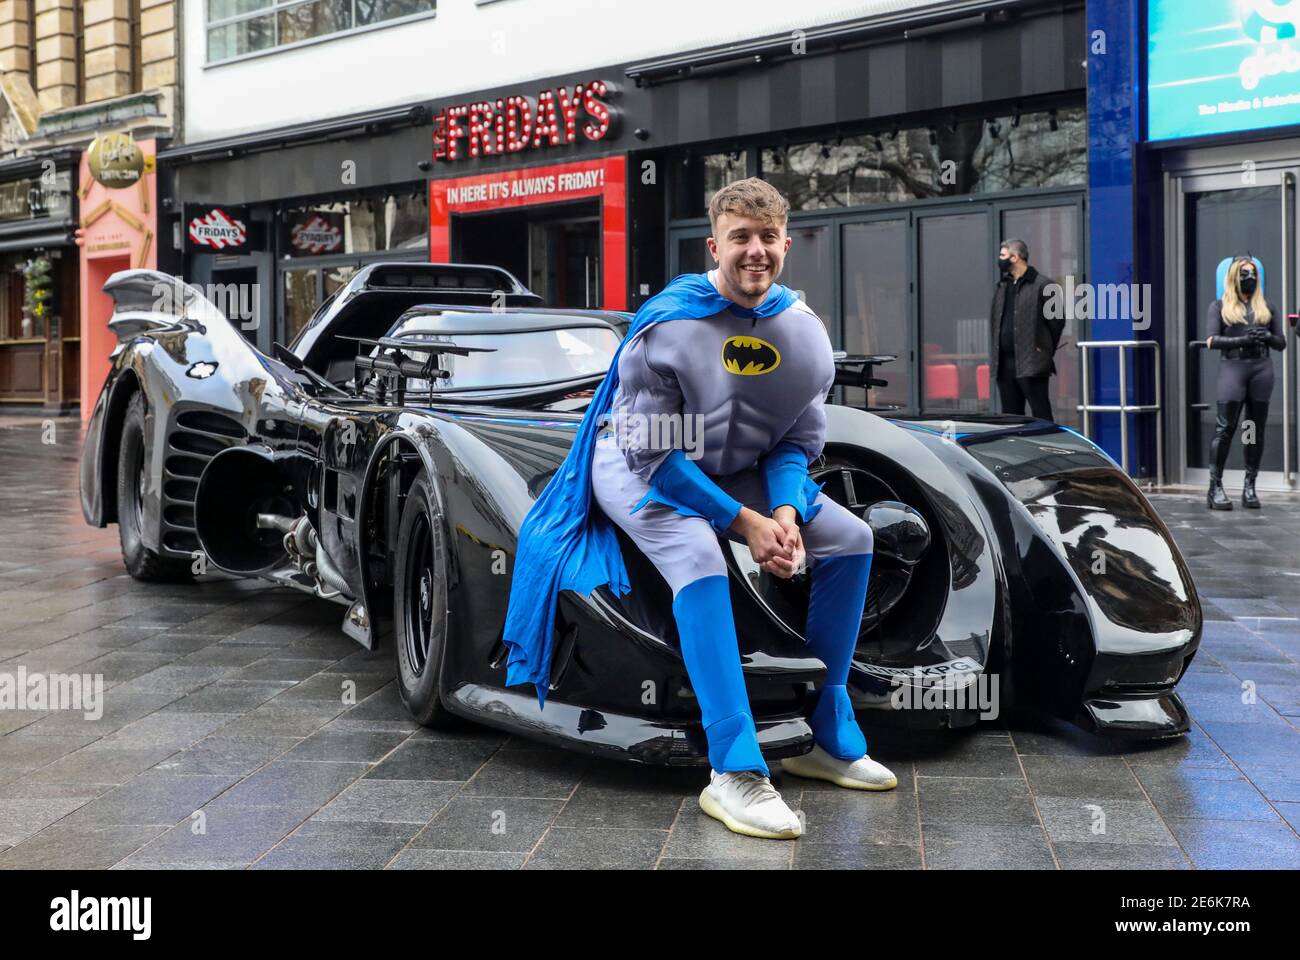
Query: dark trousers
{"type": "Point", "coordinates": [1014, 391]}
{"type": "Point", "coordinates": [1229, 414]}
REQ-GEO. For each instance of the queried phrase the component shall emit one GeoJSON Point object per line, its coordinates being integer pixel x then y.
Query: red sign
{"type": "Point", "coordinates": [320, 233]}
{"type": "Point", "coordinates": [605, 178]}
{"type": "Point", "coordinates": [219, 229]}
{"type": "Point", "coordinates": [513, 124]}
{"type": "Point", "coordinates": [510, 188]}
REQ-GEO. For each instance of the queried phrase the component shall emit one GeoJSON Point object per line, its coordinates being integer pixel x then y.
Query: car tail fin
{"type": "Point", "coordinates": [146, 300]}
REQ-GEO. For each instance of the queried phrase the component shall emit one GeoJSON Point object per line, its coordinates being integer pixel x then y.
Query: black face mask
{"type": "Point", "coordinates": [1248, 285]}
{"type": "Point", "coordinates": [1005, 266]}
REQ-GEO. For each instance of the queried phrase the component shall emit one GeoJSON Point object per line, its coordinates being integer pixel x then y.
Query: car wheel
{"type": "Point", "coordinates": [132, 483]}
{"type": "Point", "coordinates": [420, 615]}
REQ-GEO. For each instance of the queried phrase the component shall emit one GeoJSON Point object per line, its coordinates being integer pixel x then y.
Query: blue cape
{"type": "Point", "coordinates": [563, 543]}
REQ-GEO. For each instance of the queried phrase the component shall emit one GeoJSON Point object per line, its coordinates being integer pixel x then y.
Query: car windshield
{"type": "Point", "coordinates": [522, 359]}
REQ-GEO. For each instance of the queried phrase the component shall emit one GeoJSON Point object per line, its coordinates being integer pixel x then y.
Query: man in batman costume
{"type": "Point", "coordinates": [751, 364]}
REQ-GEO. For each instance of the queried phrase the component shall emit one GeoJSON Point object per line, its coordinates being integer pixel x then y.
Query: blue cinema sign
{"type": "Point", "coordinates": [1221, 66]}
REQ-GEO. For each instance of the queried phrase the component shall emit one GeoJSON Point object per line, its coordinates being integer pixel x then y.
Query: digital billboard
{"type": "Point", "coordinates": [1221, 66]}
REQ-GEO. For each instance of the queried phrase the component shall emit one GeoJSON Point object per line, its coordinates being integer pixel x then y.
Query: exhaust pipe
{"type": "Point", "coordinates": [305, 551]}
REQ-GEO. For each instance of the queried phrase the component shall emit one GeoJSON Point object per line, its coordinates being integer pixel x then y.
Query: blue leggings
{"type": "Point", "coordinates": [708, 637]}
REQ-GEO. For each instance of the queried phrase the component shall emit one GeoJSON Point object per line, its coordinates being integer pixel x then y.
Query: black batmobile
{"type": "Point", "coordinates": [386, 460]}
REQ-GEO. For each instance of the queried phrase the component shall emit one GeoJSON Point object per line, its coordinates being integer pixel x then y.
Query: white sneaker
{"type": "Point", "coordinates": [861, 774]}
{"type": "Point", "coordinates": [747, 803]}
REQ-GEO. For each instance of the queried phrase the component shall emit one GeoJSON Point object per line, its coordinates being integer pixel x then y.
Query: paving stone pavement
{"type": "Point", "coordinates": [243, 730]}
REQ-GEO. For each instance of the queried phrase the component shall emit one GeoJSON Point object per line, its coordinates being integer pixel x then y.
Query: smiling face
{"type": "Point", "coordinates": [750, 253]}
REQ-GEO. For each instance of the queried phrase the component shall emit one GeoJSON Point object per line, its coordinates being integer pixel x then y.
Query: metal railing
{"type": "Point", "coordinates": [1124, 408]}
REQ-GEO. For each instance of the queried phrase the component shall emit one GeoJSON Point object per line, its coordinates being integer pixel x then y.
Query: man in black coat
{"type": "Point", "coordinates": [1024, 337]}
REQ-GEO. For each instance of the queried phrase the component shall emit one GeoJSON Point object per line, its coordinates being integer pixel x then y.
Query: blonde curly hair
{"type": "Point", "coordinates": [751, 197]}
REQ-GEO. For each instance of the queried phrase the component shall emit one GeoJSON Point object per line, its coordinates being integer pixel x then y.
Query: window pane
{"type": "Point", "coordinates": [16, 321]}
{"type": "Point", "coordinates": [693, 255]}
{"type": "Point", "coordinates": [1052, 234]}
{"type": "Point", "coordinates": [809, 180]}
{"type": "Point", "coordinates": [336, 278]}
{"type": "Point", "coordinates": [317, 230]}
{"type": "Point", "coordinates": [387, 222]}
{"type": "Point", "coordinates": [407, 221]}
{"type": "Point", "coordinates": [301, 298]}
{"type": "Point", "coordinates": [887, 168]}
{"type": "Point", "coordinates": [376, 11]}
{"type": "Point", "coordinates": [955, 295]}
{"type": "Point", "coordinates": [808, 270]}
{"type": "Point", "coordinates": [1033, 154]}
{"type": "Point", "coordinates": [875, 304]}
{"type": "Point", "coordinates": [244, 36]}
{"type": "Point", "coordinates": [365, 225]}
{"type": "Point", "coordinates": [221, 9]}
{"type": "Point", "coordinates": [315, 19]}
{"type": "Point", "coordinates": [963, 156]}
{"type": "Point", "coordinates": [703, 176]}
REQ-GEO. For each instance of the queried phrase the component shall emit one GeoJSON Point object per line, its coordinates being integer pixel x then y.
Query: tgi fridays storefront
{"type": "Point", "coordinates": [560, 227]}
{"type": "Point", "coordinates": [906, 157]}
{"type": "Point", "coordinates": [908, 145]}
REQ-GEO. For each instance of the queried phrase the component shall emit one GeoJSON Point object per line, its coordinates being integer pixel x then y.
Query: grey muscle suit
{"type": "Point", "coordinates": [704, 369]}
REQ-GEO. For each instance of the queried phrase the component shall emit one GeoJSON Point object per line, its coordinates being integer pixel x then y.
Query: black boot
{"type": "Point", "coordinates": [1229, 412]}
{"type": "Point", "coordinates": [1257, 412]}
{"type": "Point", "coordinates": [1217, 499]}
{"type": "Point", "coordinates": [1248, 498]}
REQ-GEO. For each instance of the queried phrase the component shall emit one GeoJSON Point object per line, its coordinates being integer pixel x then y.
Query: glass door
{"type": "Point", "coordinates": [809, 272]}
{"type": "Point", "coordinates": [878, 303]}
{"type": "Point", "coordinates": [564, 262]}
{"type": "Point", "coordinates": [1222, 216]}
{"type": "Point", "coordinates": [955, 265]}
{"type": "Point", "coordinates": [688, 251]}
{"type": "Point", "coordinates": [1055, 237]}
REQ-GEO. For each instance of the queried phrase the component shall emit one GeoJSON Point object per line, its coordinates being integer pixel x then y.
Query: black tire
{"type": "Point", "coordinates": [132, 474]}
{"type": "Point", "coordinates": [420, 614]}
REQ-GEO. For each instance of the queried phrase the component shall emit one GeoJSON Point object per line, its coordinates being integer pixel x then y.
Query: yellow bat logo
{"type": "Point", "coordinates": [749, 356]}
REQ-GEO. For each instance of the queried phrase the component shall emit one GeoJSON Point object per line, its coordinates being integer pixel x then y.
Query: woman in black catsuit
{"type": "Point", "coordinates": [1244, 326]}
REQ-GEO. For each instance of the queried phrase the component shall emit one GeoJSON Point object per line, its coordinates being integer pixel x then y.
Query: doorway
{"type": "Point", "coordinates": [237, 286]}
{"type": "Point", "coordinates": [554, 249]}
{"type": "Point", "coordinates": [1222, 215]}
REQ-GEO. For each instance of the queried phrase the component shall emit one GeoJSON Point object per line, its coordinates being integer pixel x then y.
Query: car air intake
{"type": "Point", "coordinates": [237, 485]}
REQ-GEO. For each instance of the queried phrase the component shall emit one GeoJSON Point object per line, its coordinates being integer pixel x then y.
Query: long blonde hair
{"type": "Point", "coordinates": [1232, 309]}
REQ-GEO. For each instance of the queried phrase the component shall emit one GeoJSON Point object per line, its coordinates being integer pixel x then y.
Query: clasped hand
{"type": "Point", "coordinates": [774, 542]}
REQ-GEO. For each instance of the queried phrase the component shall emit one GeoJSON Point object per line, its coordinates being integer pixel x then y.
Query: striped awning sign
{"type": "Point", "coordinates": [218, 230]}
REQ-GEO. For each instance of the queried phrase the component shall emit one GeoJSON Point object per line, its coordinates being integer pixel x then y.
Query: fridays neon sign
{"type": "Point", "coordinates": [518, 123]}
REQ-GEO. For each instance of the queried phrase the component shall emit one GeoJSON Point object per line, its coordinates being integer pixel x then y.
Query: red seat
{"type": "Point", "coordinates": [982, 381]}
{"type": "Point", "coordinates": [942, 382]}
